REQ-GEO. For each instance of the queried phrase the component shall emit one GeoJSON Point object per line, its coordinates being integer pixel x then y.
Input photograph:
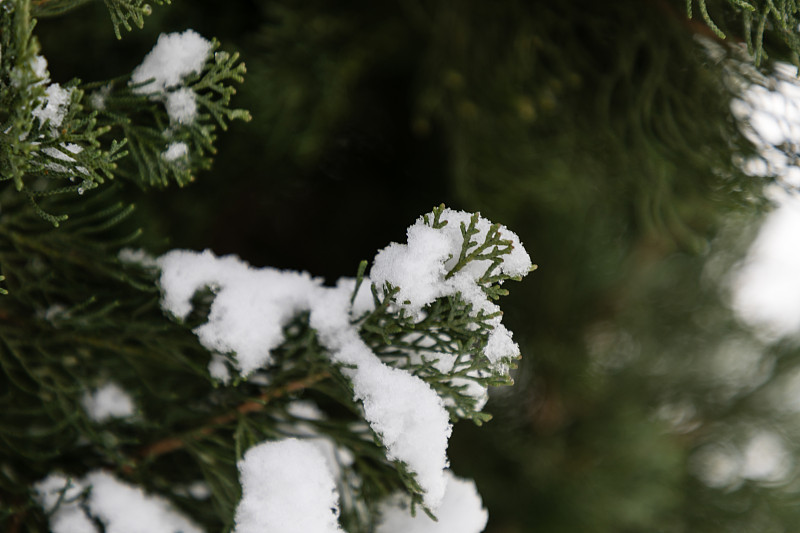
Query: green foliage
{"type": "Point", "coordinates": [102, 129]}
{"type": "Point", "coordinates": [778, 19]}
{"type": "Point", "coordinates": [141, 120]}
{"type": "Point", "coordinates": [451, 328]}
{"type": "Point", "coordinates": [601, 131]}
{"type": "Point", "coordinates": [125, 12]}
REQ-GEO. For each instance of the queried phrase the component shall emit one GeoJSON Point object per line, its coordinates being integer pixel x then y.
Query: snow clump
{"type": "Point", "coordinates": [461, 511]}
{"type": "Point", "coordinates": [175, 151]}
{"type": "Point", "coordinates": [287, 487]}
{"type": "Point", "coordinates": [108, 402]}
{"type": "Point", "coordinates": [174, 57]}
{"type": "Point", "coordinates": [120, 507]}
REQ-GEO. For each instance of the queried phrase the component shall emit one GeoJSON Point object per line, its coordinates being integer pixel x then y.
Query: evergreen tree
{"type": "Point", "coordinates": [148, 386]}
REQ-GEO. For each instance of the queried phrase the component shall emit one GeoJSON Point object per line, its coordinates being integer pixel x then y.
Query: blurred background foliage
{"type": "Point", "coordinates": [601, 133]}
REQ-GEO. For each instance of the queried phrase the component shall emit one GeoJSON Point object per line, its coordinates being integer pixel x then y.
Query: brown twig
{"type": "Point", "coordinates": [171, 444]}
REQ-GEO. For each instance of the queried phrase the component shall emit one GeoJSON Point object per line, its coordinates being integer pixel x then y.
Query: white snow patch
{"type": "Point", "coordinates": [461, 512]}
{"type": "Point", "coordinates": [218, 369]}
{"type": "Point", "coordinates": [60, 155]}
{"type": "Point", "coordinates": [57, 490]}
{"type": "Point", "coordinates": [39, 66]}
{"type": "Point", "coordinates": [137, 256]}
{"type": "Point", "coordinates": [55, 106]}
{"type": "Point", "coordinates": [122, 508]}
{"type": "Point", "coordinates": [199, 490]}
{"type": "Point", "coordinates": [175, 151]}
{"type": "Point", "coordinates": [107, 402]}
{"type": "Point", "coordinates": [766, 288]}
{"type": "Point", "coordinates": [175, 56]}
{"type": "Point", "coordinates": [251, 306]}
{"type": "Point", "coordinates": [286, 488]}
{"type": "Point", "coordinates": [98, 98]}
{"type": "Point", "coordinates": [182, 106]}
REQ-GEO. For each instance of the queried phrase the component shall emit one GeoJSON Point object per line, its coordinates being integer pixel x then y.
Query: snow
{"type": "Point", "coordinates": [182, 106]}
{"type": "Point", "coordinates": [252, 307]}
{"type": "Point", "coordinates": [119, 506]}
{"type": "Point", "coordinates": [60, 155]}
{"type": "Point", "coordinates": [402, 409]}
{"type": "Point", "coordinates": [286, 488]}
{"type": "Point", "coordinates": [766, 288]}
{"type": "Point", "coordinates": [419, 269]}
{"type": "Point", "coordinates": [107, 402]}
{"type": "Point", "coordinates": [175, 151]}
{"type": "Point", "coordinates": [68, 517]}
{"type": "Point", "coordinates": [199, 490]}
{"type": "Point", "coordinates": [137, 256]}
{"type": "Point", "coordinates": [55, 106]}
{"type": "Point", "coordinates": [98, 98]}
{"type": "Point", "coordinates": [175, 56]}
{"type": "Point", "coordinates": [39, 66]}
{"type": "Point", "coordinates": [461, 512]}
{"type": "Point", "coordinates": [218, 369]}
{"type": "Point", "coordinates": [247, 317]}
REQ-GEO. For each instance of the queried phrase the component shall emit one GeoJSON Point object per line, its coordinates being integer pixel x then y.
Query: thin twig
{"type": "Point", "coordinates": [171, 444]}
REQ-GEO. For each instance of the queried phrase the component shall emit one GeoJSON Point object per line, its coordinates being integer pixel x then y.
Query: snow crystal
{"type": "Point", "coordinates": [55, 108]}
{"type": "Point", "coordinates": [286, 488]}
{"type": "Point", "coordinates": [461, 511]}
{"type": "Point", "coordinates": [175, 56]}
{"type": "Point", "coordinates": [107, 402]}
{"type": "Point", "coordinates": [120, 507]}
{"type": "Point", "coordinates": [182, 106]}
{"type": "Point", "coordinates": [175, 151]}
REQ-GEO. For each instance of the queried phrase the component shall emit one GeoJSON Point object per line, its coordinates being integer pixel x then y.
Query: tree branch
{"type": "Point", "coordinates": [171, 444]}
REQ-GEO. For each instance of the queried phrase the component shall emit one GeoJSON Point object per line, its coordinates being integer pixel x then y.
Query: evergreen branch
{"type": "Point", "coordinates": [171, 444]}
{"type": "Point", "coordinates": [125, 12]}
{"type": "Point", "coordinates": [214, 88]}
{"type": "Point", "coordinates": [782, 17]}
{"type": "Point", "coordinates": [51, 8]}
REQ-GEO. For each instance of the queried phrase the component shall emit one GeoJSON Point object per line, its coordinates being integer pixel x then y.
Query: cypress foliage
{"type": "Point", "coordinates": [601, 133]}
